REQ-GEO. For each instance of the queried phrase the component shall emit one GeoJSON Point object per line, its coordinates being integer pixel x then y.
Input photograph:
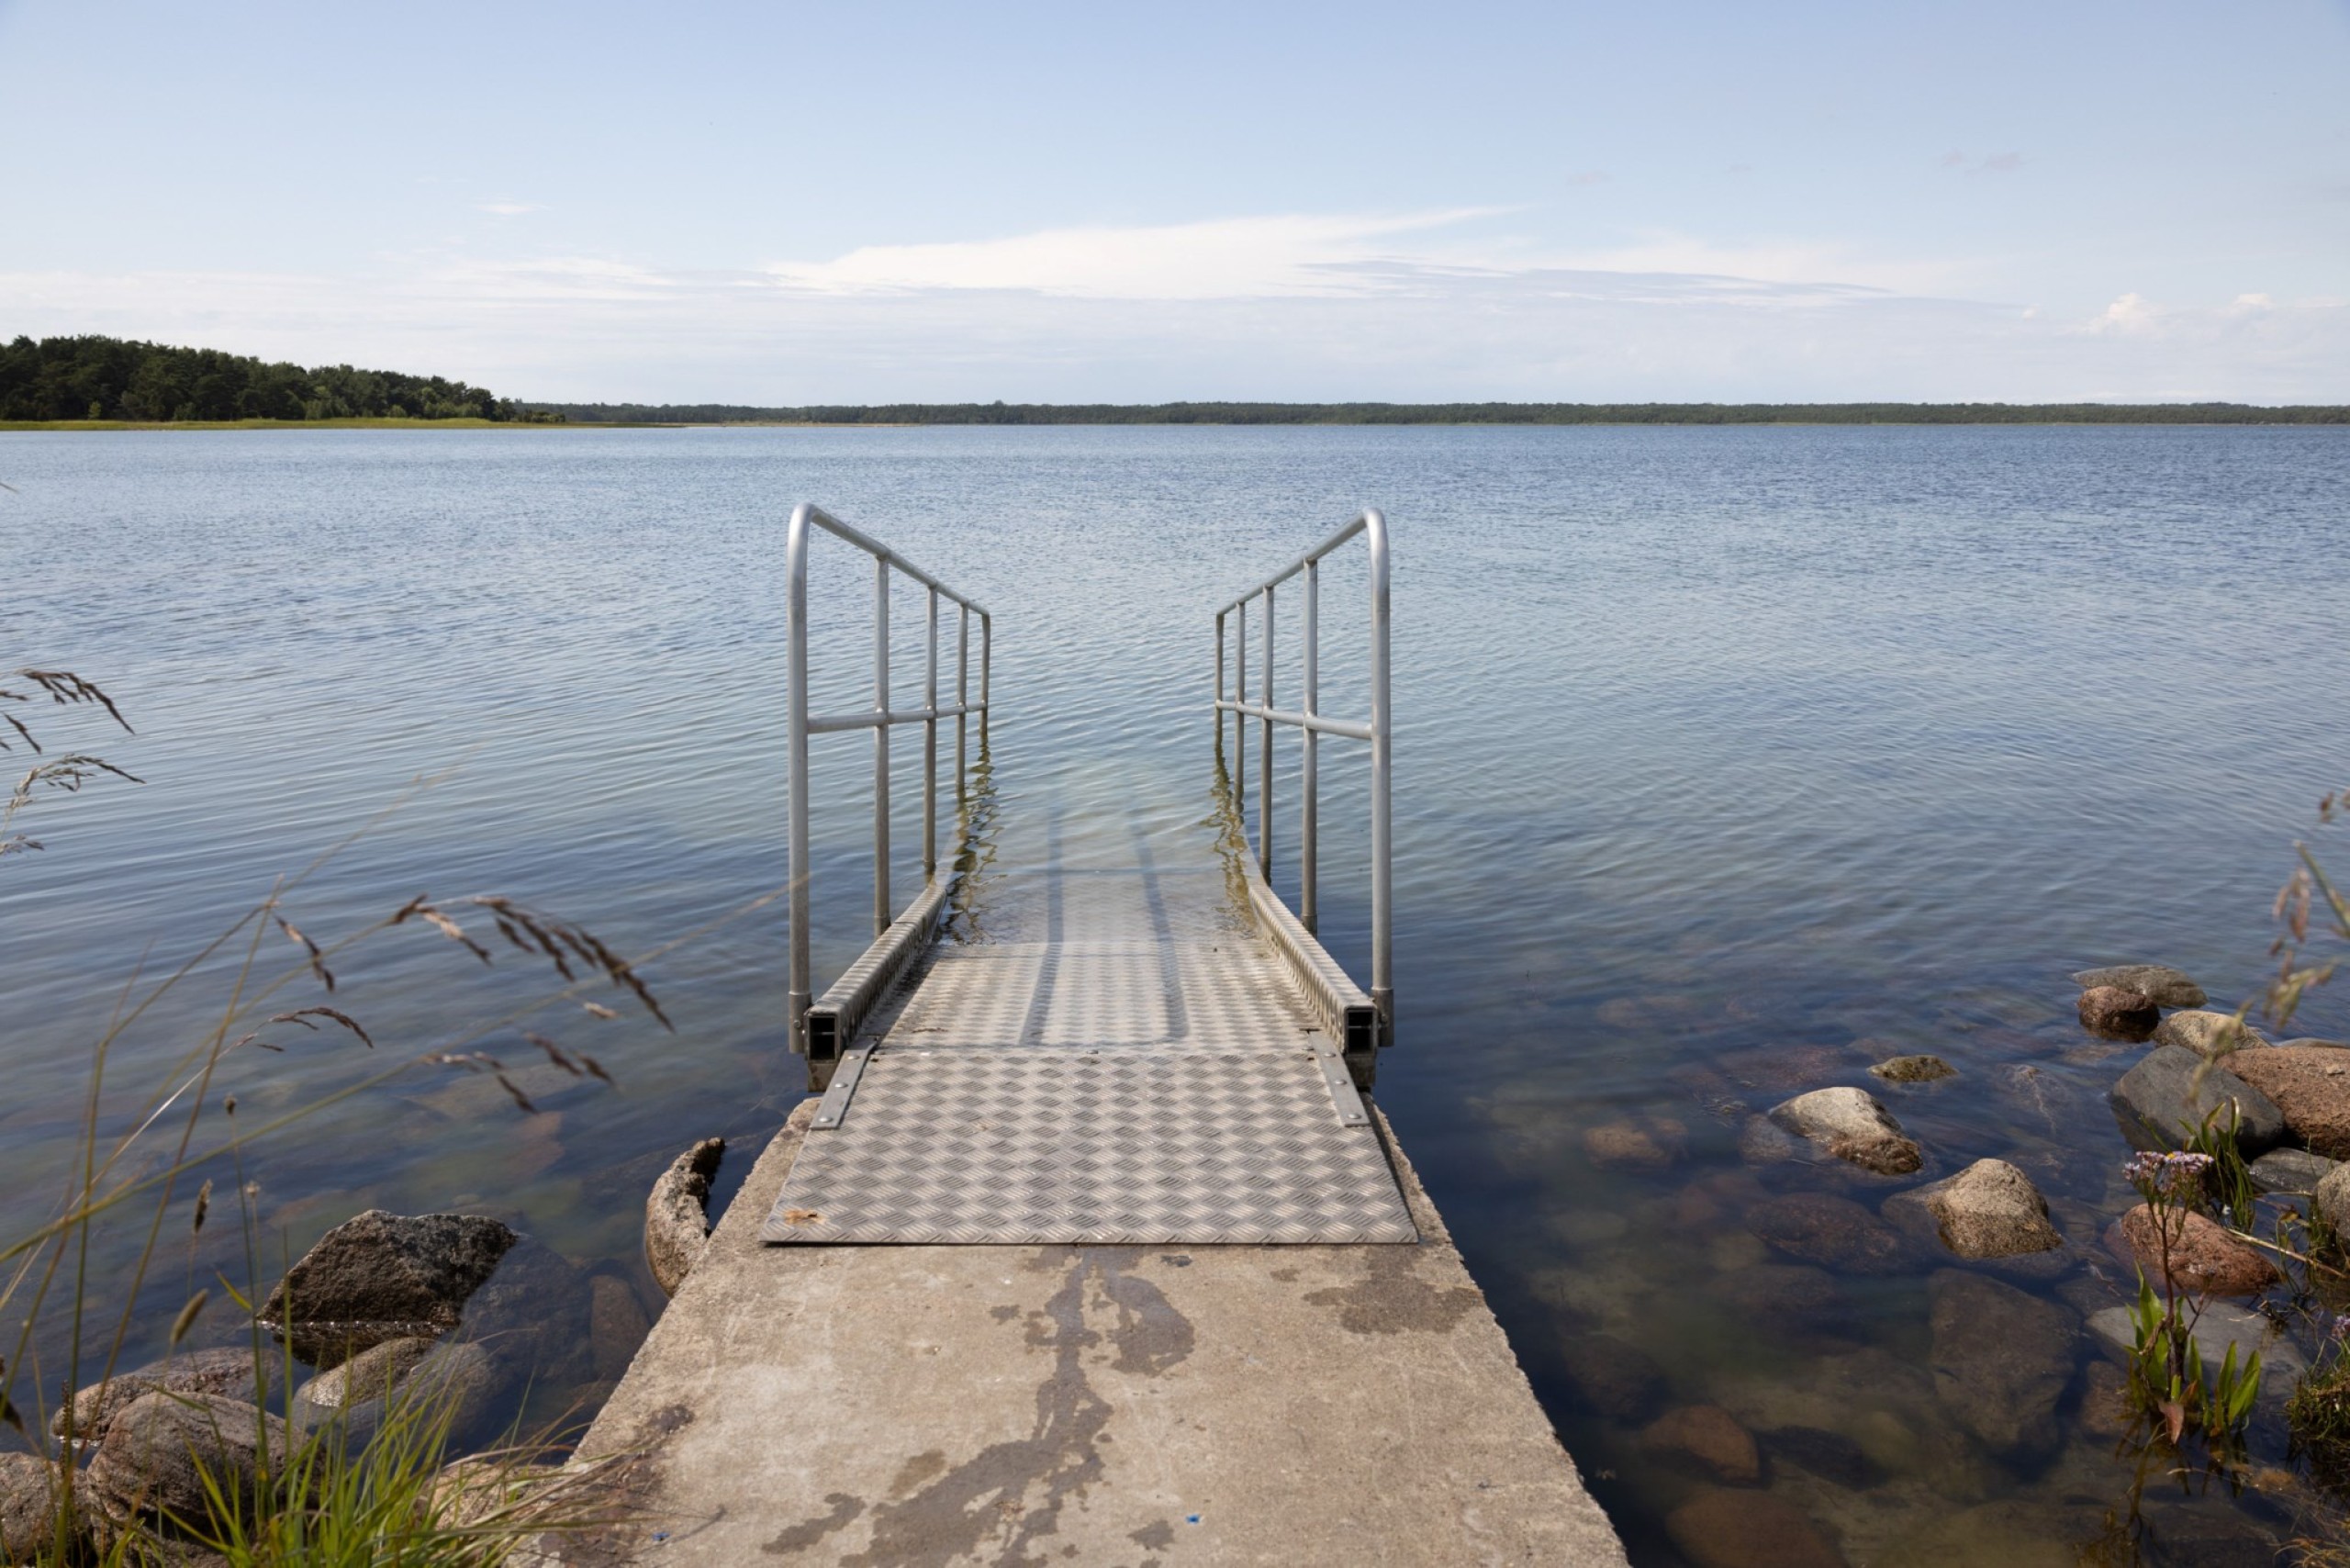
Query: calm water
{"type": "Point", "coordinates": [1728, 761]}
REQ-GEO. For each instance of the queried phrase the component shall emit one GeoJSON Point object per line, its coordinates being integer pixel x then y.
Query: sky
{"type": "Point", "coordinates": [786, 203]}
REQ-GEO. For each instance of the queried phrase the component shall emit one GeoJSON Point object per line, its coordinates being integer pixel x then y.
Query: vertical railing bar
{"type": "Point", "coordinates": [1265, 758]}
{"type": "Point", "coordinates": [1218, 707]}
{"type": "Point", "coordinates": [987, 655]}
{"type": "Point", "coordinates": [962, 699]}
{"type": "Point", "coordinates": [930, 754]}
{"type": "Point", "coordinates": [880, 745]}
{"type": "Point", "coordinates": [1309, 782]}
{"type": "Point", "coordinates": [795, 704]}
{"type": "Point", "coordinates": [1240, 720]}
{"type": "Point", "coordinates": [1382, 889]}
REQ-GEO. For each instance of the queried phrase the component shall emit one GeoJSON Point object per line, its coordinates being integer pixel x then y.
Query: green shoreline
{"type": "Point", "coordinates": [351, 424]}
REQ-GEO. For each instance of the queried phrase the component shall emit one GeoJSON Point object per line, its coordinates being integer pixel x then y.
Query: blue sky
{"type": "Point", "coordinates": [789, 203]}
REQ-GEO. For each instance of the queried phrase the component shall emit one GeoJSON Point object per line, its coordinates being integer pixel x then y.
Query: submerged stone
{"type": "Point", "coordinates": [2002, 1359]}
{"type": "Point", "coordinates": [2293, 1171]}
{"type": "Point", "coordinates": [1990, 1210]}
{"type": "Point", "coordinates": [2203, 1257]}
{"type": "Point", "coordinates": [2117, 1015]}
{"type": "Point", "coordinates": [1748, 1530]}
{"type": "Point", "coordinates": [2222, 1324]}
{"type": "Point", "coordinates": [1706, 1438]}
{"type": "Point", "coordinates": [382, 1276]}
{"type": "Point", "coordinates": [1834, 1232]}
{"type": "Point", "coordinates": [1615, 1378]}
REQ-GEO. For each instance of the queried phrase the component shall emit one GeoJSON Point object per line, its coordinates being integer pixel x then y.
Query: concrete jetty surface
{"type": "Point", "coordinates": [1110, 1406]}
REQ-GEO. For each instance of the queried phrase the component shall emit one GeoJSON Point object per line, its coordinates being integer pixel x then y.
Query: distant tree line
{"type": "Point", "coordinates": [109, 378]}
{"type": "Point", "coordinates": [1454, 414]}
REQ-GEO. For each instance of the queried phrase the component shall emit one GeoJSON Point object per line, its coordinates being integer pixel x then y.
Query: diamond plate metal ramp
{"type": "Point", "coordinates": [1116, 1146]}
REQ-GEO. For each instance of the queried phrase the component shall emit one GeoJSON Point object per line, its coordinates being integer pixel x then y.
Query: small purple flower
{"type": "Point", "coordinates": [2341, 1329]}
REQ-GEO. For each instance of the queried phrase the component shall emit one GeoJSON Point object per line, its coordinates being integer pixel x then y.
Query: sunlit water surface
{"type": "Point", "coordinates": [1728, 761]}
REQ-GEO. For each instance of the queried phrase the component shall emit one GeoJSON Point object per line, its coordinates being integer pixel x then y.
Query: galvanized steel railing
{"type": "Point", "coordinates": [819, 1029]}
{"type": "Point", "coordinates": [1310, 721]}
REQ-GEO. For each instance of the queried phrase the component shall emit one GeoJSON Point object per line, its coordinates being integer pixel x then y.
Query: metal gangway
{"type": "Point", "coordinates": [1128, 1055]}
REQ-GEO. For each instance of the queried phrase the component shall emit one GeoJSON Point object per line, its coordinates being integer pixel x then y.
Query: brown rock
{"type": "Point", "coordinates": [1748, 1530]}
{"type": "Point", "coordinates": [382, 1276]}
{"type": "Point", "coordinates": [2106, 1407]}
{"type": "Point", "coordinates": [1708, 1438]}
{"type": "Point", "coordinates": [616, 1323]}
{"type": "Point", "coordinates": [1913, 1069]}
{"type": "Point", "coordinates": [2204, 1257]}
{"type": "Point", "coordinates": [1613, 1378]}
{"type": "Point", "coordinates": [677, 1219]}
{"type": "Point", "coordinates": [160, 1449]}
{"type": "Point", "coordinates": [2310, 1085]}
{"type": "Point", "coordinates": [2119, 1014]}
{"type": "Point", "coordinates": [2158, 983]}
{"type": "Point", "coordinates": [371, 1374]}
{"type": "Point", "coordinates": [1636, 1145]}
{"type": "Point", "coordinates": [1834, 1232]}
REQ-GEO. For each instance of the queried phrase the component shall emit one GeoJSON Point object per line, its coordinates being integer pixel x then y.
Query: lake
{"type": "Point", "coordinates": [1728, 761]}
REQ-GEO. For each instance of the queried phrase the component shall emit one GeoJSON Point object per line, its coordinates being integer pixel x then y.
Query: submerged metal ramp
{"type": "Point", "coordinates": [1127, 1056]}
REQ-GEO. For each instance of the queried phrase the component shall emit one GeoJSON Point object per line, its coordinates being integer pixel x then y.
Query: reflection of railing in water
{"type": "Point", "coordinates": [820, 1027]}
{"type": "Point", "coordinates": [1311, 722]}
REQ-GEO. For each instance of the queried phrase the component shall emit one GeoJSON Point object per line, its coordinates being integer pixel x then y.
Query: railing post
{"type": "Point", "coordinates": [987, 655]}
{"type": "Point", "coordinates": [1240, 720]}
{"type": "Point", "coordinates": [1265, 761]}
{"type": "Point", "coordinates": [962, 696]}
{"type": "Point", "coordinates": [930, 754]}
{"type": "Point", "coordinates": [880, 745]}
{"type": "Point", "coordinates": [1217, 709]}
{"type": "Point", "coordinates": [1309, 784]}
{"type": "Point", "coordinates": [1383, 887]}
{"type": "Point", "coordinates": [795, 703]}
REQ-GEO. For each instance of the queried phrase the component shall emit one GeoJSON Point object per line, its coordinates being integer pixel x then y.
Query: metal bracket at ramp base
{"type": "Point", "coordinates": [1019, 1146]}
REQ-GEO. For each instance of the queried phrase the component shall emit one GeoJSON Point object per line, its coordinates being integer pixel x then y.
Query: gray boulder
{"type": "Point", "coordinates": [1850, 1124]}
{"type": "Point", "coordinates": [231, 1373]}
{"type": "Point", "coordinates": [28, 1507]}
{"type": "Point", "coordinates": [2158, 983]}
{"type": "Point", "coordinates": [382, 1276]}
{"type": "Point", "coordinates": [160, 1448]}
{"type": "Point", "coordinates": [2161, 1101]}
{"type": "Point", "coordinates": [2330, 1200]}
{"type": "Point", "coordinates": [676, 1214]}
{"type": "Point", "coordinates": [2207, 1033]}
{"type": "Point", "coordinates": [2002, 1359]}
{"type": "Point", "coordinates": [2293, 1171]}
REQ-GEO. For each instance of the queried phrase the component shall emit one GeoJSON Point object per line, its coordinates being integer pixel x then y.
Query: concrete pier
{"type": "Point", "coordinates": [1113, 1406]}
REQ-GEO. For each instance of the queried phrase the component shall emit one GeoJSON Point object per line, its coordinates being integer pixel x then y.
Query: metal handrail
{"type": "Point", "coordinates": [880, 719]}
{"type": "Point", "coordinates": [1312, 724]}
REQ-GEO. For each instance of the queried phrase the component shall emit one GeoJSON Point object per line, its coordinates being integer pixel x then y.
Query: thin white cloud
{"type": "Point", "coordinates": [1220, 259]}
{"type": "Point", "coordinates": [508, 208]}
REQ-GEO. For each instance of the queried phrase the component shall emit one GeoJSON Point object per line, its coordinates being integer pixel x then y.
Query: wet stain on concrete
{"type": "Point", "coordinates": [998, 1506]}
{"type": "Point", "coordinates": [800, 1536]}
{"type": "Point", "coordinates": [1154, 1537]}
{"type": "Point", "coordinates": [1390, 1297]}
{"type": "Point", "coordinates": [914, 1472]}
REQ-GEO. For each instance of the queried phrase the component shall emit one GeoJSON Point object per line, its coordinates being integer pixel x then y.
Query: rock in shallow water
{"type": "Point", "coordinates": [1748, 1530]}
{"type": "Point", "coordinates": [1615, 1378]}
{"type": "Point", "coordinates": [160, 1448]}
{"type": "Point", "coordinates": [2158, 983]}
{"type": "Point", "coordinates": [2222, 1324]}
{"type": "Point", "coordinates": [2310, 1085]}
{"type": "Point", "coordinates": [2208, 1034]}
{"type": "Point", "coordinates": [27, 1506]}
{"type": "Point", "coordinates": [1913, 1069]}
{"type": "Point", "coordinates": [2329, 1200]}
{"type": "Point", "coordinates": [1708, 1440]}
{"type": "Point", "coordinates": [1850, 1124]}
{"type": "Point", "coordinates": [2161, 1101]}
{"type": "Point", "coordinates": [1834, 1232]}
{"type": "Point", "coordinates": [228, 1372]}
{"type": "Point", "coordinates": [1990, 1210]}
{"type": "Point", "coordinates": [382, 1276]}
{"type": "Point", "coordinates": [1626, 1145]}
{"type": "Point", "coordinates": [2114, 1013]}
{"type": "Point", "coordinates": [2292, 1171]}
{"type": "Point", "coordinates": [2001, 1361]}
{"type": "Point", "coordinates": [2204, 1257]}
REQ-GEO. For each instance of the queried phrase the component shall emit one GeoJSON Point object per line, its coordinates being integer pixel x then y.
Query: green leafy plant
{"type": "Point", "coordinates": [2167, 1376]}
